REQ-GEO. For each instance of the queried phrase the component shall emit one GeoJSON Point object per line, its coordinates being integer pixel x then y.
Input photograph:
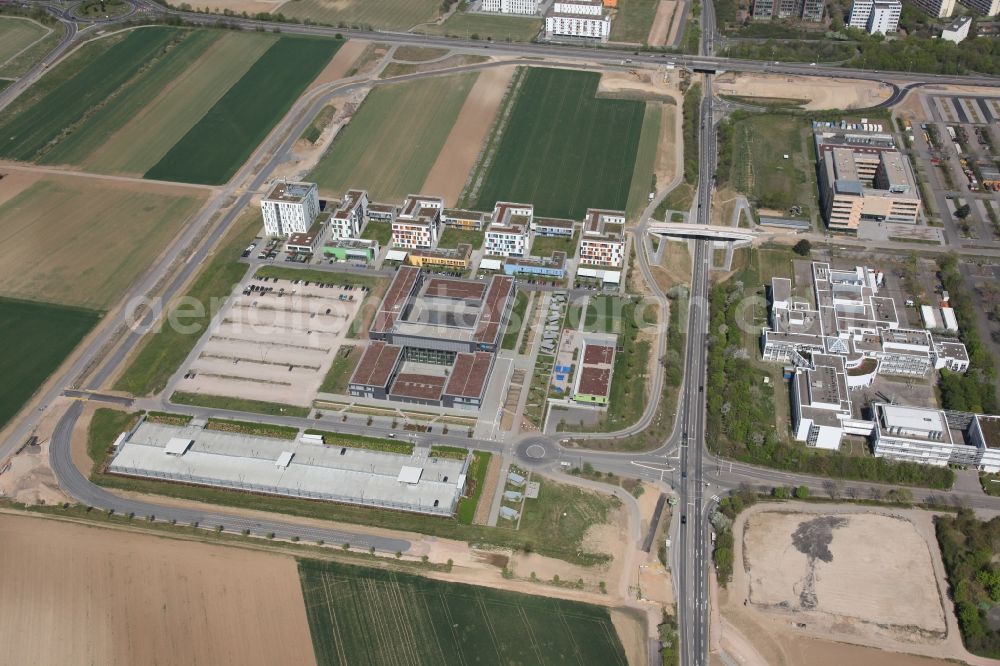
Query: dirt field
{"type": "Point", "coordinates": [639, 84]}
{"type": "Point", "coordinates": [273, 348]}
{"type": "Point", "coordinates": [51, 224]}
{"type": "Point", "coordinates": [830, 93]}
{"type": "Point", "coordinates": [852, 569]}
{"type": "Point", "coordinates": [127, 598]}
{"type": "Point", "coordinates": [667, 157]}
{"type": "Point", "coordinates": [458, 155]}
{"type": "Point", "coordinates": [341, 62]}
{"type": "Point", "coordinates": [662, 31]}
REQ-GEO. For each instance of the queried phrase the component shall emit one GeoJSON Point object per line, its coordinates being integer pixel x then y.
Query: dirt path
{"type": "Point", "coordinates": [458, 155]}
{"type": "Point", "coordinates": [341, 62]}
{"type": "Point", "coordinates": [126, 598]}
{"type": "Point", "coordinates": [660, 33]}
{"type": "Point", "coordinates": [490, 481]}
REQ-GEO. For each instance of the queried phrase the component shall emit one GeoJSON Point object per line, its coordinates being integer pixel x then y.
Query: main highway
{"type": "Point", "coordinates": [699, 473]}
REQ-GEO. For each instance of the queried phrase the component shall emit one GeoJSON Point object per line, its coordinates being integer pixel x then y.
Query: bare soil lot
{"type": "Point", "coordinates": [458, 155]}
{"type": "Point", "coordinates": [663, 29]}
{"type": "Point", "coordinates": [818, 94]}
{"type": "Point", "coordinates": [125, 598]}
{"type": "Point", "coordinates": [273, 348]}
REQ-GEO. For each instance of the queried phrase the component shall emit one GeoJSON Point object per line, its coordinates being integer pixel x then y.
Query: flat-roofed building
{"type": "Point", "coordinates": [457, 257]}
{"type": "Point", "coordinates": [603, 240]}
{"type": "Point", "coordinates": [508, 234]}
{"type": "Point", "coordinates": [467, 380]}
{"type": "Point", "coordinates": [957, 31]}
{"type": "Point", "coordinates": [554, 266]}
{"type": "Point", "coordinates": [552, 227]}
{"type": "Point", "coordinates": [912, 434]}
{"type": "Point", "coordinates": [289, 208]}
{"type": "Point", "coordinates": [382, 212]}
{"type": "Point", "coordinates": [984, 433]}
{"type": "Point", "coordinates": [821, 404]}
{"type": "Point", "coordinates": [519, 7]}
{"type": "Point", "coordinates": [936, 8]}
{"type": "Point", "coordinates": [583, 19]}
{"type": "Point", "coordinates": [468, 220]}
{"type": "Point", "coordinates": [307, 241]}
{"type": "Point", "coordinates": [349, 216]}
{"type": "Point", "coordinates": [359, 249]}
{"type": "Point", "coordinates": [376, 370]}
{"type": "Point", "coordinates": [593, 377]}
{"type": "Point", "coordinates": [984, 7]}
{"type": "Point", "coordinates": [418, 224]}
{"type": "Point", "coordinates": [863, 177]}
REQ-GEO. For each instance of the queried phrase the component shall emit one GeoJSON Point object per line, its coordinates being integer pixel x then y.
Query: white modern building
{"type": "Point", "coordinates": [509, 232]}
{"type": "Point", "coordinates": [289, 208]}
{"type": "Point", "coordinates": [349, 217]}
{"type": "Point", "coordinates": [958, 30]}
{"type": "Point", "coordinates": [821, 404]}
{"type": "Point", "coordinates": [580, 18]}
{"type": "Point", "coordinates": [876, 16]}
{"type": "Point", "coordinates": [522, 7]}
{"type": "Point", "coordinates": [936, 437]}
{"type": "Point", "coordinates": [418, 224]}
{"type": "Point", "coordinates": [603, 240]}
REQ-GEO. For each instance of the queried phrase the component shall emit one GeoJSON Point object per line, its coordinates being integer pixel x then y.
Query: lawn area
{"type": "Point", "coordinates": [452, 237]}
{"type": "Point", "coordinates": [633, 20]}
{"type": "Point", "coordinates": [342, 439]}
{"type": "Point", "coordinates": [604, 314]}
{"type": "Point", "coordinates": [325, 277]}
{"type": "Point", "coordinates": [25, 60]}
{"type": "Point", "coordinates": [561, 516]}
{"type": "Point", "coordinates": [645, 159]}
{"type": "Point", "coordinates": [544, 246]}
{"type": "Point", "coordinates": [237, 404]}
{"type": "Point", "coordinates": [375, 616]}
{"type": "Point", "coordinates": [516, 321]}
{"type": "Point", "coordinates": [409, 121]}
{"type": "Point", "coordinates": [483, 26]}
{"type": "Point", "coordinates": [378, 231]}
{"type": "Point", "coordinates": [378, 14]}
{"type": "Point", "coordinates": [17, 34]}
{"type": "Point", "coordinates": [680, 199]}
{"type": "Point", "coordinates": [133, 224]}
{"type": "Point", "coordinates": [477, 477]}
{"type": "Point", "coordinates": [163, 351]}
{"type": "Point", "coordinates": [557, 125]}
{"type": "Point", "coordinates": [86, 81]}
{"type": "Point", "coordinates": [231, 130]}
{"type": "Point", "coordinates": [36, 338]}
{"type": "Point", "coordinates": [758, 168]}
{"type": "Point", "coordinates": [339, 375]}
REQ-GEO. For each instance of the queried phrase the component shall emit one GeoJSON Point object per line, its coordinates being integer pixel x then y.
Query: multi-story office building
{"type": "Point", "coordinates": [876, 16]}
{"type": "Point", "coordinates": [463, 219]}
{"type": "Point", "coordinates": [523, 7]}
{"type": "Point", "coordinates": [418, 223]}
{"type": "Point", "coordinates": [603, 240]}
{"type": "Point", "coordinates": [546, 226]}
{"type": "Point", "coordinates": [457, 257]}
{"type": "Point", "coordinates": [554, 266]}
{"type": "Point", "coordinates": [984, 7]}
{"type": "Point", "coordinates": [509, 232]}
{"type": "Point", "coordinates": [350, 215]}
{"type": "Point", "coordinates": [936, 8]}
{"type": "Point", "coordinates": [863, 177]}
{"type": "Point", "coordinates": [936, 437]}
{"type": "Point", "coordinates": [289, 208]}
{"type": "Point", "coordinates": [579, 18]}
{"type": "Point", "coordinates": [821, 404]}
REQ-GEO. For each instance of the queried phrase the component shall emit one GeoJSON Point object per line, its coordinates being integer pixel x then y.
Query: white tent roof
{"type": "Point", "coordinates": [586, 272]}
{"type": "Point", "coordinates": [176, 446]}
{"type": "Point", "coordinates": [395, 255]}
{"type": "Point", "coordinates": [489, 264]}
{"type": "Point", "coordinates": [284, 459]}
{"type": "Point", "coordinates": [410, 474]}
{"type": "Point", "coordinates": [612, 277]}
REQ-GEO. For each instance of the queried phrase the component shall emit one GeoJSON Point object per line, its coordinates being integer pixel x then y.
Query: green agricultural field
{"type": "Point", "coordinates": [362, 616]}
{"type": "Point", "coordinates": [495, 28]}
{"type": "Point", "coordinates": [409, 121]}
{"type": "Point", "coordinates": [384, 14]}
{"type": "Point", "coordinates": [221, 142]}
{"type": "Point", "coordinates": [36, 338]}
{"type": "Point", "coordinates": [564, 150]}
{"type": "Point", "coordinates": [633, 20]}
{"type": "Point", "coordinates": [82, 242]}
{"type": "Point", "coordinates": [17, 34]}
{"type": "Point", "coordinates": [29, 132]}
{"type": "Point", "coordinates": [645, 159]}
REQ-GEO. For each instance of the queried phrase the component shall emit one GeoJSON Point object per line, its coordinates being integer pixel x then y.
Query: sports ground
{"type": "Point", "coordinates": [163, 103]}
{"type": "Point", "coordinates": [36, 338]}
{"type": "Point", "coordinates": [393, 140]}
{"type": "Point", "coordinates": [564, 149]}
{"type": "Point", "coordinates": [369, 616]}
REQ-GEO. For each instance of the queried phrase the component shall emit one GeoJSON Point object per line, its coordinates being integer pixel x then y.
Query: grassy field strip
{"type": "Point", "coordinates": [388, 14]}
{"type": "Point", "coordinates": [130, 100]}
{"type": "Point", "coordinates": [645, 160]}
{"type": "Point", "coordinates": [227, 135]}
{"type": "Point", "coordinates": [68, 265]}
{"type": "Point", "coordinates": [408, 121]}
{"type": "Point", "coordinates": [36, 338]}
{"type": "Point", "coordinates": [565, 150]}
{"type": "Point", "coordinates": [151, 130]}
{"type": "Point", "coordinates": [369, 616]}
{"type": "Point", "coordinates": [633, 20]}
{"type": "Point", "coordinates": [17, 34]}
{"type": "Point", "coordinates": [29, 132]}
{"type": "Point", "coordinates": [497, 28]}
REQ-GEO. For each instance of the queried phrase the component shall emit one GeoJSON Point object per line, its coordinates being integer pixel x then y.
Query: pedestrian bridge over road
{"type": "Point", "coordinates": [710, 231]}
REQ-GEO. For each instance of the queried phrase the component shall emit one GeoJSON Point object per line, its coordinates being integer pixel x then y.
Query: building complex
{"type": "Point", "coordinates": [603, 240]}
{"type": "Point", "coordinates": [584, 19]}
{"type": "Point", "coordinates": [936, 437]}
{"type": "Point", "coordinates": [522, 7]}
{"type": "Point", "coordinates": [805, 10]}
{"type": "Point", "coordinates": [876, 16]}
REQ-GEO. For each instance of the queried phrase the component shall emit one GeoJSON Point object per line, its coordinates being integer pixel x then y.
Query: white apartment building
{"type": "Point", "coordinates": [936, 8]}
{"type": "Point", "coordinates": [509, 232]}
{"type": "Point", "coordinates": [523, 7]}
{"type": "Point", "coordinates": [418, 224]}
{"type": "Point", "coordinates": [289, 208]}
{"type": "Point", "coordinates": [985, 7]}
{"type": "Point", "coordinates": [349, 217]}
{"type": "Point", "coordinates": [958, 30]}
{"type": "Point", "coordinates": [603, 240]}
{"type": "Point", "coordinates": [876, 15]}
{"type": "Point", "coordinates": [936, 437]}
{"type": "Point", "coordinates": [581, 18]}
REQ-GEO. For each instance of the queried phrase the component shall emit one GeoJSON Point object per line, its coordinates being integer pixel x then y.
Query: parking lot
{"type": "Point", "coordinates": [273, 341]}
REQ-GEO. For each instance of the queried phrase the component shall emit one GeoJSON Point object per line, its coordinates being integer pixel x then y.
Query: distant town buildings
{"type": "Point", "coordinates": [862, 176]}
{"type": "Point", "coordinates": [289, 208]}
{"type": "Point", "coordinates": [578, 18]}
{"type": "Point", "coordinates": [523, 7]}
{"type": "Point", "coordinates": [876, 16]}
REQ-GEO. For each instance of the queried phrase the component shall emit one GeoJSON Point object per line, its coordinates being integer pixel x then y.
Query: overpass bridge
{"type": "Point", "coordinates": [707, 231]}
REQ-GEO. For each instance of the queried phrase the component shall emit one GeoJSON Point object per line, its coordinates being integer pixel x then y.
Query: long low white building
{"type": "Point", "coordinates": [306, 469]}
{"type": "Point", "coordinates": [936, 437]}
